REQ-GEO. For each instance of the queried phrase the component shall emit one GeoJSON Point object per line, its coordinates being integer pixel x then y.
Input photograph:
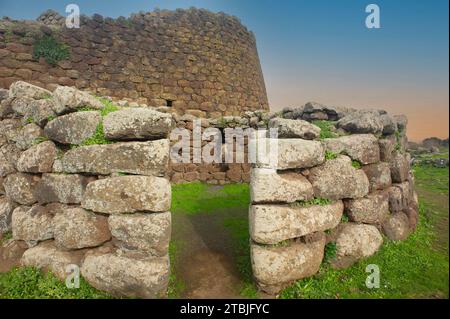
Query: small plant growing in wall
{"type": "Point", "coordinates": [50, 49]}
{"type": "Point", "coordinates": [356, 164]}
{"type": "Point", "coordinates": [330, 155]}
{"type": "Point", "coordinates": [330, 252]}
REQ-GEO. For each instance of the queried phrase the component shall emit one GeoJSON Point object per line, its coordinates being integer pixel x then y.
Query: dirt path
{"type": "Point", "coordinates": [205, 264]}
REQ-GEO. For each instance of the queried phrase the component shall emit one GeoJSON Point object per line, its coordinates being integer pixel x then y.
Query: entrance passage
{"type": "Point", "coordinates": [210, 242]}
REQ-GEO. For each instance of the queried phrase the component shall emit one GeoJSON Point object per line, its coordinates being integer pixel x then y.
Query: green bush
{"type": "Point", "coordinates": [330, 155]}
{"type": "Point", "coordinates": [325, 128]}
{"type": "Point", "coordinates": [50, 49]}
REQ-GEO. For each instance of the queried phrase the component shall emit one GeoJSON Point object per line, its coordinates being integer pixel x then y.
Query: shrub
{"type": "Point", "coordinates": [50, 49]}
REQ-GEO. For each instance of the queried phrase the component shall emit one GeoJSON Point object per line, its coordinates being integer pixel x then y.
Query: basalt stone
{"type": "Point", "coordinates": [28, 136]}
{"type": "Point", "coordinates": [379, 176]}
{"type": "Point", "coordinates": [68, 99]}
{"type": "Point", "coordinates": [126, 276]}
{"type": "Point", "coordinates": [38, 158]}
{"type": "Point", "coordinates": [62, 188]}
{"type": "Point", "coordinates": [33, 224]}
{"type": "Point", "coordinates": [23, 89]}
{"type": "Point", "coordinates": [268, 186]}
{"type": "Point", "coordinates": [128, 194]}
{"type": "Point", "coordinates": [77, 228]}
{"type": "Point", "coordinates": [4, 94]}
{"type": "Point", "coordinates": [147, 232]}
{"type": "Point", "coordinates": [360, 147]}
{"type": "Point", "coordinates": [270, 224]}
{"type": "Point", "coordinates": [397, 227]}
{"type": "Point", "coordinates": [295, 129]}
{"type": "Point", "coordinates": [402, 122]}
{"type": "Point", "coordinates": [372, 209]}
{"type": "Point", "coordinates": [73, 128]}
{"type": "Point", "coordinates": [400, 167]}
{"type": "Point", "coordinates": [6, 209]}
{"type": "Point", "coordinates": [356, 241]}
{"type": "Point", "coordinates": [47, 257]}
{"type": "Point", "coordinates": [387, 147]}
{"type": "Point", "coordinates": [413, 217]}
{"type": "Point", "coordinates": [362, 122]}
{"type": "Point", "coordinates": [145, 158]}
{"type": "Point", "coordinates": [137, 123]}
{"type": "Point", "coordinates": [276, 267]}
{"type": "Point", "coordinates": [20, 188]}
{"type": "Point", "coordinates": [338, 179]}
{"type": "Point", "coordinates": [21, 105]}
{"type": "Point", "coordinates": [389, 124]}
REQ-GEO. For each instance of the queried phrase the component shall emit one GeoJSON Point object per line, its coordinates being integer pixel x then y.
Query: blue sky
{"type": "Point", "coordinates": [321, 50]}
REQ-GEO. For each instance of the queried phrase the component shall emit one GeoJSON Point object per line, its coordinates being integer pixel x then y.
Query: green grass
{"type": "Point", "coordinates": [325, 128]}
{"type": "Point", "coordinates": [97, 139]}
{"type": "Point", "coordinates": [313, 202]}
{"type": "Point", "coordinates": [196, 198]}
{"type": "Point", "coordinates": [31, 283]}
{"type": "Point", "coordinates": [409, 269]}
{"type": "Point", "coordinates": [356, 164]}
{"type": "Point", "coordinates": [176, 285]}
{"type": "Point", "coordinates": [330, 155]}
{"type": "Point", "coordinates": [5, 237]}
{"type": "Point", "coordinates": [432, 178]}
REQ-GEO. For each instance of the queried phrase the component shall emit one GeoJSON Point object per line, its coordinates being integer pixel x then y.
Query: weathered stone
{"type": "Point", "coordinates": [4, 94]}
{"type": "Point", "coordinates": [128, 194]}
{"type": "Point", "coordinates": [67, 189]}
{"type": "Point", "coordinates": [268, 186]}
{"type": "Point", "coordinates": [372, 209]}
{"type": "Point", "coordinates": [396, 227]}
{"type": "Point", "coordinates": [295, 128]}
{"type": "Point", "coordinates": [28, 136]}
{"type": "Point", "coordinates": [47, 257]}
{"type": "Point", "coordinates": [387, 147]}
{"type": "Point", "coordinates": [73, 128]}
{"type": "Point", "coordinates": [126, 276]}
{"type": "Point", "coordinates": [77, 228]}
{"type": "Point", "coordinates": [356, 241]}
{"type": "Point", "coordinates": [399, 168]}
{"type": "Point", "coordinates": [68, 99]}
{"type": "Point", "coordinates": [6, 209]}
{"type": "Point", "coordinates": [21, 105]}
{"type": "Point", "coordinates": [270, 224]}
{"type": "Point", "coordinates": [413, 217]}
{"type": "Point", "coordinates": [402, 122]}
{"type": "Point", "coordinates": [20, 188]}
{"type": "Point", "coordinates": [293, 153]}
{"type": "Point", "coordinates": [146, 232]}
{"type": "Point", "coordinates": [359, 147]}
{"type": "Point", "coordinates": [389, 124]}
{"type": "Point", "coordinates": [145, 158]}
{"type": "Point", "coordinates": [379, 176]}
{"type": "Point", "coordinates": [338, 179]}
{"type": "Point", "coordinates": [33, 224]}
{"type": "Point", "coordinates": [39, 112]}
{"type": "Point", "coordinates": [9, 129]}
{"type": "Point", "coordinates": [13, 250]}
{"type": "Point", "coordinates": [276, 267]}
{"type": "Point", "coordinates": [137, 123]}
{"type": "Point", "coordinates": [9, 154]}
{"type": "Point", "coordinates": [23, 89]}
{"type": "Point", "coordinates": [361, 121]}
{"type": "Point", "coordinates": [38, 158]}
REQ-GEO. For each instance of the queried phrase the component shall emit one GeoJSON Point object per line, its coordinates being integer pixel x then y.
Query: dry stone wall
{"type": "Point", "coordinates": [102, 205]}
{"type": "Point", "coordinates": [345, 185]}
{"type": "Point", "coordinates": [185, 59]}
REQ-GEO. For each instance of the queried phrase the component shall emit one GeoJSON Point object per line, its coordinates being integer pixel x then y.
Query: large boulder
{"type": "Point", "coordinates": [338, 179]}
{"type": "Point", "coordinates": [268, 186]}
{"type": "Point", "coordinates": [292, 153]}
{"type": "Point", "coordinates": [387, 147]}
{"type": "Point", "coordinates": [62, 188]}
{"type": "Point", "coordinates": [38, 158]}
{"type": "Point", "coordinates": [6, 209]}
{"type": "Point", "coordinates": [47, 257]}
{"type": "Point", "coordinates": [295, 128]}
{"type": "Point", "coordinates": [21, 105]}
{"type": "Point", "coordinates": [372, 209]}
{"type": "Point", "coordinates": [128, 194]}
{"type": "Point", "coordinates": [399, 167]}
{"type": "Point", "coordinates": [276, 267]}
{"type": "Point", "coordinates": [24, 89]}
{"type": "Point", "coordinates": [69, 99]}
{"type": "Point", "coordinates": [147, 232]}
{"type": "Point", "coordinates": [362, 121]}
{"type": "Point", "coordinates": [356, 241]}
{"type": "Point", "coordinates": [33, 224]}
{"type": "Point", "coordinates": [379, 176]}
{"type": "Point", "coordinates": [126, 276]}
{"type": "Point", "coordinates": [28, 136]}
{"type": "Point", "coordinates": [401, 121]}
{"type": "Point", "coordinates": [389, 124]}
{"type": "Point", "coordinates": [9, 154]}
{"type": "Point", "coordinates": [20, 188]}
{"type": "Point", "coordinates": [137, 123]}
{"type": "Point", "coordinates": [39, 112]}
{"type": "Point", "coordinates": [145, 158]}
{"type": "Point", "coordinates": [397, 226]}
{"type": "Point", "coordinates": [360, 147]}
{"type": "Point", "coordinates": [271, 224]}
{"type": "Point", "coordinates": [73, 128]}
{"type": "Point", "coordinates": [77, 228]}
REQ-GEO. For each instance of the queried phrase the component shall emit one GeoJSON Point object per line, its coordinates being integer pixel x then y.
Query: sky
{"type": "Point", "coordinates": [321, 50]}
